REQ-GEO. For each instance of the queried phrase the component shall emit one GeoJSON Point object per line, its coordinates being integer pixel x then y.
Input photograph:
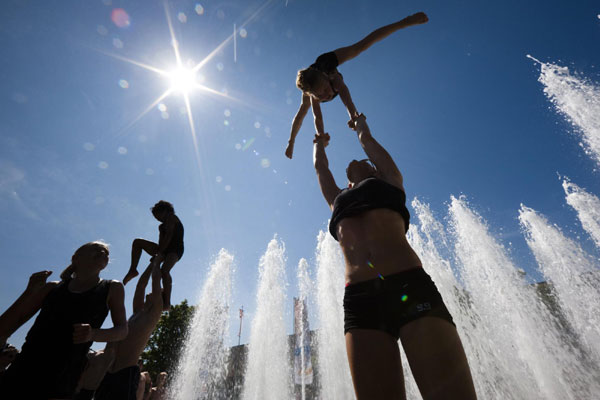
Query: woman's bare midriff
{"type": "Point", "coordinates": [374, 243]}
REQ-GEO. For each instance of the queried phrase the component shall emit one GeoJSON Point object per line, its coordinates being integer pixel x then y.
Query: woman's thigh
{"type": "Point", "coordinates": [375, 365]}
{"type": "Point", "coordinates": [437, 359]}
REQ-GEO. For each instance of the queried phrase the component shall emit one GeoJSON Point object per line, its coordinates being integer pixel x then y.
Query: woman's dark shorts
{"type": "Point", "coordinates": [388, 304]}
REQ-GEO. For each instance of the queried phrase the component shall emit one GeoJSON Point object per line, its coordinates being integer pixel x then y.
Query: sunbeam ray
{"type": "Point", "coordinates": [150, 107]}
{"type": "Point", "coordinates": [134, 62]}
{"type": "Point", "coordinates": [174, 41]}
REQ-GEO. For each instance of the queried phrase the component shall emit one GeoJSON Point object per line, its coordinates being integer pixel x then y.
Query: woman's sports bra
{"type": "Point", "coordinates": [371, 193]}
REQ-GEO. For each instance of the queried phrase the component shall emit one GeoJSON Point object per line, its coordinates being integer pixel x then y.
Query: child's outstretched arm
{"type": "Point", "coordinates": [344, 54]}
{"type": "Point", "coordinates": [296, 124]}
{"type": "Point", "coordinates": [342, 89]}
{"type": "Point", "coordinates": [316, 107]}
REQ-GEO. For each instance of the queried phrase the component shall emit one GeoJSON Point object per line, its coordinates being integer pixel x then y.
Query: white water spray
{"type": "Point", "coordinates": [573, 276]}
{"type": "Point", "coordinates": [202, 366]}
{"type": "Point", "coordinates": [587, 206]}
{"type": "Point", "coordinates": [336, 382]}
{"type": "Point", "coordinates": [429, 240]}
{"type": "Point", "coordinates": [530, 355]}
{"type": "Point", "coordinates": [268, 369]}
{"type": "Point", "coordinates": [578, 100]}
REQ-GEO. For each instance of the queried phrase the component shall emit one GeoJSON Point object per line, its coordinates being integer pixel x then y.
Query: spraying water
{"type": "Point", "coordinates": [304, 294]}
{"type": "Point", "coordinates": [587, 206]}
{"type": "Point", "coordinates": [533, 359]}
{"type": "Point", "coordinates": [202, 366]}
{"type": "Point", "coordinates": [268, 367]}
{"type": "Point", "coordinates": [573, 275]}
{"type": "Point", "coordinates": [578, 100]}
{"type": "Point", "coordinates": [428, 238]}
{"type": "Point", "coordinates": [336, 382]}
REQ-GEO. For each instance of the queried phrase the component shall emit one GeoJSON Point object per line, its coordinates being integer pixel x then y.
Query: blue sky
{"type": "Point", "coordinates": [455, 101]}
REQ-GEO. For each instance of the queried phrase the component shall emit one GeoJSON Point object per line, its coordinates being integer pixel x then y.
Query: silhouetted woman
{"type": "Point", "coordinates": [71, 314]}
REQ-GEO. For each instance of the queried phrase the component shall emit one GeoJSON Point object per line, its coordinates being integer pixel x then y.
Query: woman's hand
{"type": "Point", "coordinates": [82, 333]}
{"type": "Point", "coordinates": [359, 124]}
{"type": "Point", "coordinates": [324, 139]}
{"type": "Point", "coordinates": [38, 280]}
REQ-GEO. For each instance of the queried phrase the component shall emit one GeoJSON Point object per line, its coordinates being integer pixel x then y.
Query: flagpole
{"type": "Point", "coordinates": [241, 317]}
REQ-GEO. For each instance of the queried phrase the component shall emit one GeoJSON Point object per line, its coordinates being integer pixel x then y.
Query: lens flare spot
{"type": "Point", "coordinates": [404, 297]}
{"type": "Point", "coordinates": [89, 146]}
{"type": "Point", "coordinates": [182, 17]}
{"type": "Point", "coordinates": [162, 107]}
{"type": "Point", "coordinates": [247, 144]}
{"type": "Point", "coordinates": [149, 171]}
{"type": "Point", "coordinates": [19, 98]}
{"type": "Point", "coordinates": [227, 113]}
{"type": "Point", "coordinates": [220, 66]}
{"type": "Point", "coordinates": [122, 150]}
{"type": "Point", "coordinates": [107, 2]}
{"type": "Point", "coordinates": [227, 188]}
{"type": "Point", "coordinates": [199, 9]}
{"type": "Point", "coordinates": [288, 101]}
{"type": "Point", "coordinates": [381, 277]}
{"type": "Point", "coordinates": [220, 14]}
{"type": "Point", "coordinates": [123, 83]}
{"type": "Point", "coordinates": [370, 264]}
{"type": "Point", "coordinates": [238, 146]}
{"type": "Point", "coordinates": [118, 43]}
{"type": "Point", "coordinates": [99, 200]}
{"type": "Point", "coordinates": [102, 165]}
{"type": "Point", "coordinates": [120, 18]}
{"type": "Point", "coordinates": [219, 179]}
{"type": "Point", "coordinates": [101, 29]}
{"type": "Point", "coordinates": [164, 115]}
{"type": "Point", "coordinates": [257, 125]}
{"type": "Point", "coordinates": [265, 163]}
{"type": "Point", "coordinates": [143, 138]}
{"type": "Point", "coordinates": [243, 33]}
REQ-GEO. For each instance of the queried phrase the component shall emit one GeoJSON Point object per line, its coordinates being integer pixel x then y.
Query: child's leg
{"type": "Point", "coordinates": [170, 261]}
{"type": "Point", "coordinates": [347, 53]}
{"type": "Point", "coordinates": [136, 252]}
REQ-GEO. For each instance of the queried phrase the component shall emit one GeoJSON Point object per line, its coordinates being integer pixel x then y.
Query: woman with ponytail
{"type": "Point", "coordinates": [71, 315]}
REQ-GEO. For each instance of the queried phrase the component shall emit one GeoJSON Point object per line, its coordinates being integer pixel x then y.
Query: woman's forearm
{"type": "Point", "coordinates": [320, 157]}
{"type": "Point", "coordinates": [113, 334]}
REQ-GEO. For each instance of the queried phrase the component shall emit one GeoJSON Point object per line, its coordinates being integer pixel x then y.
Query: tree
{"type": "Point", "coordinates": [165, 345]}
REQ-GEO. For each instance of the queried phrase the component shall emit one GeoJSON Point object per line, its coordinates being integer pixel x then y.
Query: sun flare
{"type": "Point", "coordinates": [182, 79]}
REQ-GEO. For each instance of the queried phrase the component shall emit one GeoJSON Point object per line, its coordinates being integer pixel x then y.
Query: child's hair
{"type": "Point", "coordinates": [307, 78]}
{"type": "Point", "coordinates": [162, 206]}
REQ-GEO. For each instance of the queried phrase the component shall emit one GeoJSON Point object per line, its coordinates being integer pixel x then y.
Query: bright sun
{"type": "Point", "coordinates": [182, 79]}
